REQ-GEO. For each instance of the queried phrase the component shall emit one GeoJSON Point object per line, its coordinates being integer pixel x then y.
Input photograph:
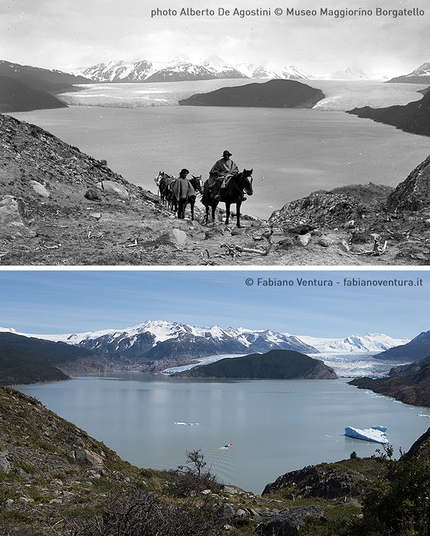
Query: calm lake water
{"type": "Point", "coordinates": [275, 426]}
{"type": "Point", "coordinates": [292, 152]}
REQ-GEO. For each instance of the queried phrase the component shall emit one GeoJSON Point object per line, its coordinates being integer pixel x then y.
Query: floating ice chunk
{"type": "Point", "coordinates": [376, 434]}
{"type": "Point", "coordinates": [180, 423]}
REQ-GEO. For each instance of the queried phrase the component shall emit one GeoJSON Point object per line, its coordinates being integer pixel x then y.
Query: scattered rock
{"type": "Point", "coordinates": [303, 240]}
{"type": "Point", "coordinates": [11, 222]}
{"type": "Point", "coordinates": [40, 189]}
{"type": "Point", "coordinates": [87, 457]}
{"type": "Point", "coordinates": [92, 195]}
{"type": "Point", "coordinates": [344, 246]}
{"type": "Point", "coordinates": [114, 188]}
{"type": "Point", "coordinates": [5, 465]}
{"type": "Point", "coordinates": [325, 241]}
{"type": "Point", "coordinates": [348, 216]}
{"type": "Point", "coordinates": [414, 192]}
{"type": "Point", "coordinates": [289, 523]}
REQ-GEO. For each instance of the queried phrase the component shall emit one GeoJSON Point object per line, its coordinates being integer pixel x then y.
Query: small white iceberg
{"type": "Point", "coordinates": [180, 423]}
{"type": "Point", "coordinates": [376, 434]}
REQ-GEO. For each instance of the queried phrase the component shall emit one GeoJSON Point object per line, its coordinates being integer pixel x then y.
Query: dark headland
{"type": "Point", "coordinates": [276, 364]}
{"type": "Point", "coordinates": [272, 94]}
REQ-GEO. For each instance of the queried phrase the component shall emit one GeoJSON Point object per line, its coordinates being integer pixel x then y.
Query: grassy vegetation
{"type": "Point", "coordinates": [57, 480]}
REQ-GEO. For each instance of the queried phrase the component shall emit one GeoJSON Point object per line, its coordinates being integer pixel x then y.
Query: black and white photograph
{"type": "Point", "coordinates": [160, 133]}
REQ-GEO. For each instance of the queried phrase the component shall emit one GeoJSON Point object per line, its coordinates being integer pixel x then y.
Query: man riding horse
{"type": "Point", "coordinates": [219, 175]}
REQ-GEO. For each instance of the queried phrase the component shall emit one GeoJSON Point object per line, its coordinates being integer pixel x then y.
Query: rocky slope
{"type": "Point", "coordinates": [414, 117]}
{"type": "Point", "coordinates": [59, 206]}
{"type": "Point", "coordinates": [32, 360]}
{"type": "Point", "coordinates": [420, 75]}
{"type": "Point", "coordinates": [24, 88]}
{"type": "Point", "coordinates": [272, 94]}
{"type": "Point", "coordinates": [417, 348]}
{"type": "Point", "coordinates": [50, 80]}
{"type": "Point", "coordinates": [17, 96]}
{"type": "Point", "coordinates": [410, 387]}
{"type": "Point", "coordinates": [408, 383]}
{"type": "Point", "coordinates": [52, 472]}
{"type": "Point", "coordinates": [55, 480]}
{"type": "Point", "coordinates": [276, 364]}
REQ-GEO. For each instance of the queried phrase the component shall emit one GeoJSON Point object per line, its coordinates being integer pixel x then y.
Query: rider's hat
{"type": "Point", "coordinates": [226, 153]}
{"type": "Point", "coordinates": [184, 171]}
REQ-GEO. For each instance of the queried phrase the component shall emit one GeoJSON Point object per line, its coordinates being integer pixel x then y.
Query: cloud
{"type": "Point", "coordinates": [62, 33]}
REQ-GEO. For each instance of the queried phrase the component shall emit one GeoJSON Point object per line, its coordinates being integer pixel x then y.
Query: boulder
{"type": "Point", "coordinates": [92, 195]}
{"type": "Point", "coordinates": [114, 188]}
{"type": "Point", "coordinates": [11, 221]}
{"type": "Point", "coordinates": [177, 237]}
{"type": "Point", "coordinates": [289, 522]}
{"type": "Point", "coordinates": [40, 189]}
{"type": "Point", "coordinates": [5, 466]}
{"type": "Point", "coordinates": [87, 457]}
{"type": "Point", "coordinates": [303, 240]}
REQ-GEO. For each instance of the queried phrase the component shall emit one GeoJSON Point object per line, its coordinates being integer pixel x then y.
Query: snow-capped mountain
{"type": "Point", "coordinates": [177, 69]}
{"type": "Point", "coordinates": [370, 342]}
{"type": "Point", "coordinates": [349, 73]}
{"type": "Point", "coordinates": [155, 340]}
{"type": "Point", "coordinates": [181, 68]}
{"type": "Point", "coordinates": [161, 340]}
{"type": "Point", "coordinates": [421, 75]}
{"type": "Point", "coordinates": [119, 71]}
{"type": "Point", "coordinates": [272, 70]}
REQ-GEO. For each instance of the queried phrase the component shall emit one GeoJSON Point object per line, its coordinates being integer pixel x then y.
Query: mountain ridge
{"type": "Point", "coordinates": [163, 330]}
{"type": "Point", "coordinates": [420, 75]}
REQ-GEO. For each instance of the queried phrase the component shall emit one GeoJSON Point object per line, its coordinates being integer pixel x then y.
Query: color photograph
{"type": "Point", "coordinates": [246, 398]}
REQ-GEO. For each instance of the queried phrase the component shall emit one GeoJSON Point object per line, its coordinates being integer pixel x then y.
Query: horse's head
{"type": "Point", "coordinates": [158, 178]}
{"type": "Point", "coordinates": [247, 181]}
{"type": "Point", "coordinates": [196, 182]}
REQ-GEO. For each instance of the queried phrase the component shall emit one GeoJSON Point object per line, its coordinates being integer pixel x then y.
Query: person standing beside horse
{"type": "Point", "coordinates": [182, 189]}
{"type": "Point", "coordinates": [220, 172]}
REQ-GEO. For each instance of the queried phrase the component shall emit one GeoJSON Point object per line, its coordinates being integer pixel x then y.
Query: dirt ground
{"type": "Point", "coordinates": [60, 207]}
{"type": "Point", "coordinates": [147, 234]}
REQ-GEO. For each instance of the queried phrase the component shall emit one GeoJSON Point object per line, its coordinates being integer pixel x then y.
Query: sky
{"type": "Point", "coordinates": [67, 34]}
{"type": "Point", "coordinates": [61, 301]}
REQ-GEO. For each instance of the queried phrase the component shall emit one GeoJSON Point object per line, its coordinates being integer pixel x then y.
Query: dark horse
{"type": "Point", "coordinates": [233, 193]}
{"type": "Point", "coordinates": [164, 182]}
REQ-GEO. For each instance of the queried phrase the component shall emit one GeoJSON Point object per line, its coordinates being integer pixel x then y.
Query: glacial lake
{"type": "Point", "coordinates": [140, 131]}
{"type": "Point", "coordinates": [274, 426]}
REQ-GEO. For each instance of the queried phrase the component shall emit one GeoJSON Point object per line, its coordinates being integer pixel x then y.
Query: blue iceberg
{"type": "Point", "coordinates": [376, 434]}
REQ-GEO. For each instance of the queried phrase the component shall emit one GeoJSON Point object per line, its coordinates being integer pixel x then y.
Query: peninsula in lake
{"type": "Point", "coordinates": [271, 94]}
{"type": "Point", "coordinates": [276, 365]}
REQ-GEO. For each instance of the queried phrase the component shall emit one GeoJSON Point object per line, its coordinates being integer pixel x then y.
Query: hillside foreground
{"type": "Point", "coordinates": [56, 480]}
{"type": "Point", "coordinates": [59, 206]}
